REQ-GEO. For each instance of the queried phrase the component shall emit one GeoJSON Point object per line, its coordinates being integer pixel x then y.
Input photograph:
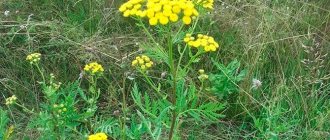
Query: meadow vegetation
{"type": "Point", "coordinates": [168, 69]}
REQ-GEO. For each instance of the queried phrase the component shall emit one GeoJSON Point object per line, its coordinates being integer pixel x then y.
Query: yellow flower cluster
{"type": "Point", "coordinates": [160, 11]}
{"type": "Point", "coordinates": [202, 76]}
{"type": "Point", "coordinates": [11, 100]}
{"type": "Point", "coordinates": [94, 68]}
{"type": "Point", "coordinates": [98, 136]}
{"type": "Point", "coordinates": [142, 62]}
{"type": "Point", "coordinates": [59, 108]}
{"type": "Point", "coordinates": [206, 3]}
{"type": "Point", "coordinates": [33, 58]}
{"type": "Point", "coordinates": [206, 42]}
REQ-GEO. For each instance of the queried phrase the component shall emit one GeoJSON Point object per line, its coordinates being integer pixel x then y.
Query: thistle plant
{"type": "Point", "coordinates": [172, 18]}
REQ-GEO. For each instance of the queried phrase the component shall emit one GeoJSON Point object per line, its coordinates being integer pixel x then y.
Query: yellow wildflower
{"type": "Point", "coordinates": [202, 76]}
{"type": "Point", "coordinates": [143, 67]}
{"type": "Point", "coordinates": [153, 21]}
{"type": "Point", "coordinates": [186, 20]}
{"type": "Point", "coordinates": [11, 100]}
{"type": "Point", "coordinates": [148, 65]}
{"type": "Point", "coordinates": [206, 42]}
{"type": "Point", "coordinates": [160, 11]}
{"type": "Point", "coordinates": [93, 68]}
{"type": "Point", "coordinates": [98, 136]}
{"type": "Point", "coordinates": [176, 9]}
{"type": "Point", "coordinates": [143, 62]}
{"type": "Point", "coordinates": [163, 20]}
{"type": "Point", "coordinates": [33, 58]}
{"type": "Point", "coordinates": [174, 17]}
{"type": "Point", "coordinates": [201, 71]}
{"type": "Point", "coordinates": [134, 62]}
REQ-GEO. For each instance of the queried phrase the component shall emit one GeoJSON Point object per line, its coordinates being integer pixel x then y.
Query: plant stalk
{"type": "Point", "coordinates": [174, 78]}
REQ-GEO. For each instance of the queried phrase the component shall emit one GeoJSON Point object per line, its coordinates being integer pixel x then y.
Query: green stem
{"type": "Point", "coordinates": [42, 74]}
{"type": "Point", "coordinates": [186, 46]}
{"type": "Point", "coordinates": [151, 83]}
{"type": "Point", "coordinates": [192, 59]}
{"type": "Point", "coordinates": [24, 108]}
{"type": "Point", "coordinates": [177, 33]}
{"type": "Point", "coordinates": [180, 58]}
{"type": "Point", "coordinates": [147, 32]}
{"type": "Point", "coordinates": [200, 89]}
{"type": "Point", "coordinates": [97, 94]}
{"type": "Point", "coordinates": [174, 78]}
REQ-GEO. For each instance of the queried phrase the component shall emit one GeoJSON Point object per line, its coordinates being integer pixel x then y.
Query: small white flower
{"type": "Point", "coordinates": [23, 27]}
{"type": "Point", "coordinates": [6, 13]}
{"type": "Point", "coordinates": [81, 74]}
{"type": "Point", "coordinates": [256, 83]}
{"type": "Point", "coordinates": [116, 113]}
{"type": "Point", "coordinates": [130, 75]}
{"type": "Point", "coordinates": [30, 16]}
{"type": "Point", "coordinates": [163, 74]}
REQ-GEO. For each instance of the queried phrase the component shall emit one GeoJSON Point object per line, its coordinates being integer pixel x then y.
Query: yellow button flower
{"type": "Point", "coordinates": [163, 20]}
{"type": "Point", "coordinates": [134, 62]}
{"type": "Point", "coordinates": [188, 12]}
{"type": "Point", "coordinates": [186, 20]}
{"type": "Point", "coordinates": [174, 17]}
{"type": "Point", "coordinates": [206, 42]}
{"type": "Point", "coordinates": [98, 136]}
{"type": "Point", "coordinates": [202, 76]}
{"type": "Point", "coordinates": [176, 9]}
{"type": "Point", "coordinates": [127, 13]}
{"type": "Point", "coordinates": [148, 65]}
{"type": "Point", "coordinates": [143, 67]}
{"type": "Point", "coordinates": [11, 100]}
{"type": "Point", "coordinates": [153, 21]}
{"type": "Point", "coordinates": [33, 58]}
{"type": "Point", "coordinates": [150, 13]}
{"type": "Point", "coordinates": [143, 62]}
{"type": "Point", "coordinates": [94, 68]}
{"type": "Point", "coordinates": [160, 11]}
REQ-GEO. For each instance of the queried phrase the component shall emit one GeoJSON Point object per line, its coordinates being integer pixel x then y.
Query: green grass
{"type": "Point", "coordinates": [271, 39]}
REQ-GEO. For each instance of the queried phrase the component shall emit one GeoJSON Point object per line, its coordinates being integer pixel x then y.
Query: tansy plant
{"type": "Point", "coordinates": [176, 48]}
{"type": "Point", "coordinates": [93, 72]}
{"type": "Point", "coordinates": [60, 116]}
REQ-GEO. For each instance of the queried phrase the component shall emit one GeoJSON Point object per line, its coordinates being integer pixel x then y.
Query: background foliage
{"type": "Point", "coordinates": [284, 44]}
